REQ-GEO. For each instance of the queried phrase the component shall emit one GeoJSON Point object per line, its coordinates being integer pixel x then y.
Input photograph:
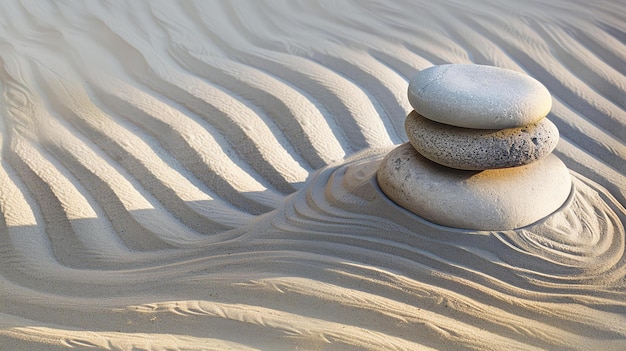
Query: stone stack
{"type": "Point", "coordinates": [479, 155]}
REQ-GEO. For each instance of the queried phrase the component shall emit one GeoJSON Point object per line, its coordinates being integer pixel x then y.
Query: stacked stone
{"type": "Point", "coordinates": [480, 151]}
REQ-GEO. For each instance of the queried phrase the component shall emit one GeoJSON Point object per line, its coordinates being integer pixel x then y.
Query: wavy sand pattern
{"type": "Point", "coordinates": [199, 175]}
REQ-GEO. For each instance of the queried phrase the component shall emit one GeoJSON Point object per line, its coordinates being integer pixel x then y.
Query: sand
{"type": "Point", "coordinates": [199, 175]}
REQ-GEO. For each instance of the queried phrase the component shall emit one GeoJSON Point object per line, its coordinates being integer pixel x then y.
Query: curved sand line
{"type": "Point", "coordinates": [200, 175]}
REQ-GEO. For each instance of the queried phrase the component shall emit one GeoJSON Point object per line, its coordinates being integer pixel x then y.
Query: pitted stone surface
{"type": "Point", "coordinates": [478, 96]}
{"type": "Point", "coordinates": [499, 199]}
{"type": "Point", "coordinates": [478, 149]}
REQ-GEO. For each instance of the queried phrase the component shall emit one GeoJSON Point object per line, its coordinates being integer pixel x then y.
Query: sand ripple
{"type": "Point", "coordinates": [200, 175]}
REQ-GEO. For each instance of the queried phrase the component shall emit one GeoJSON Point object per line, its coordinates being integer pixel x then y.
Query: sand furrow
{"type": "Point", "coordinates": [232, 193]}
{"type": "Point", "coordinates": [247, 135]}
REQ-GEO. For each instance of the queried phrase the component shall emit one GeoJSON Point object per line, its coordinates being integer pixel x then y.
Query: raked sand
{"type": "Point", "coordinates": [200, 175]}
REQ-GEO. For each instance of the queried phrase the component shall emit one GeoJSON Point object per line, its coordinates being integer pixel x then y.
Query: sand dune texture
{"type": "Point", "coordinates": [199, 175]}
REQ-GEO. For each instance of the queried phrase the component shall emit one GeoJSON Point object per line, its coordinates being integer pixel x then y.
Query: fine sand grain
{"type": "Point", "coordinates": [200, 175]}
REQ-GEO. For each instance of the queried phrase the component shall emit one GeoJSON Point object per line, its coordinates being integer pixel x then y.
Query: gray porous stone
{"type": "Point", "coordinates": [478, 96]}
{"type": "Point", "coordinates": [498, 199]}
{"type": "Point", "coordinates": [477, 149]}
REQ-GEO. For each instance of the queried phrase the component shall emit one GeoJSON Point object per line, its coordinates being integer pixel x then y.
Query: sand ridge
{"type": "Point", "coordinates": [200, 175]}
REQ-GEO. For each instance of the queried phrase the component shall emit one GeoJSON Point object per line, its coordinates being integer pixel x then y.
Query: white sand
{"type": "Point", "coordinates": [198, 175]}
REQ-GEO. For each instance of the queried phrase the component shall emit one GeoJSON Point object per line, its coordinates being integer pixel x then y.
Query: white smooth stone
{"type": "Point", "coordinates": [478, 96]}
{"type": "Point", "coordinates": [498, 199]}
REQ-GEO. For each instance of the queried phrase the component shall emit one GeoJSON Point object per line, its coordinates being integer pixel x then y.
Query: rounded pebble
{"type": "Point", "coordinates": [478, 96]}
{"type": "Point", "coordinates": [478, 149]}
{"type": "Point", "coordinates": [499, 199]}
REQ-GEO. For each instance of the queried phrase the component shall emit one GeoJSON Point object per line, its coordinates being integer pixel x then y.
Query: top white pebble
{"type": "Point", "coordinates": [478, 96]}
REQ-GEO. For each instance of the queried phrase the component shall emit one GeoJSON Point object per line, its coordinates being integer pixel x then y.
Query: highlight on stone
{"type": "Point", "coordinates": [479, 155]}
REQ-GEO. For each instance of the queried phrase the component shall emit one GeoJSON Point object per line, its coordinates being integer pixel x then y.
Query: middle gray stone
{"type": "Point", "coordinates": [478, 149]}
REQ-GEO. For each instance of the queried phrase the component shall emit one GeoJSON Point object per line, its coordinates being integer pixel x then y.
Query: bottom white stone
{"type": "Point", "coordinates": [497, 199]}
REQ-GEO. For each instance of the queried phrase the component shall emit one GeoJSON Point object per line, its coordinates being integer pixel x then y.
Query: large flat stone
{"type": "Point", "coordinates": [478, 96]}
{"type": "Point", "coordinates": [478, 149]}
{"type": "Point", "coordinates": [499, 199]}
